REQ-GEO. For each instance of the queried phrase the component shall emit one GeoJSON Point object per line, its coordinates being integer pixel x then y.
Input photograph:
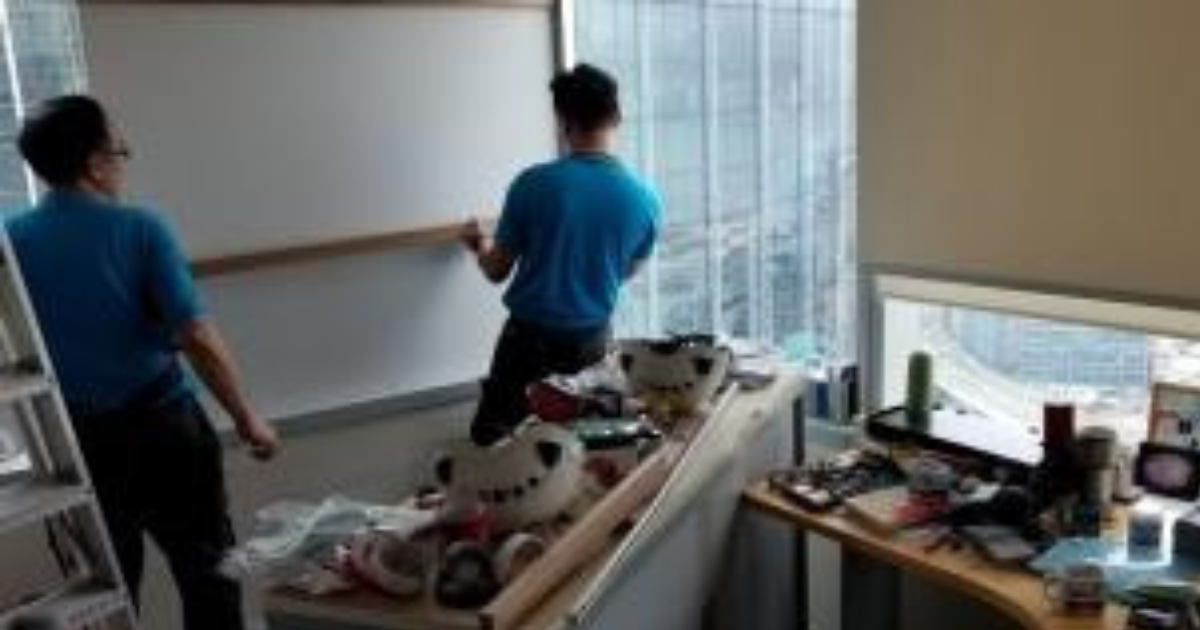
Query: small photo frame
{"type": "Point", "coordinates": [1167, 470]}
{"type": "Point", "coordinates": [1175, 415]}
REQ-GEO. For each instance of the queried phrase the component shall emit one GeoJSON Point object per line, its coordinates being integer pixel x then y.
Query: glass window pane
{"type": "Point", "coordinates": [1005, 365]}
{"type": "Point", "coordinates": [676, 106]}
{"type": "Point", "coordinates": [737, 283]}
{"type": "Point", "coordinates": [45, 37]}
{"type": "Point", "coordinates": [736, 112]}
{"type": "Point", "coordinates": [758, 180]}
{"type": "Point", "coordinates": [684, 286]}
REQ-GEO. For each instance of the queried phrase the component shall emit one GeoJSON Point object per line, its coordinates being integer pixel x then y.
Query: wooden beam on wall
{"type": "Point", "coordinates": [325, 250]}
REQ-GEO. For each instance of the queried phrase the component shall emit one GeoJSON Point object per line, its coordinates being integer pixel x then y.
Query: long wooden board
{"type": "Point", "coordinates": [582, 542]}
{"type": "Point", "coordinates": [334, 248]}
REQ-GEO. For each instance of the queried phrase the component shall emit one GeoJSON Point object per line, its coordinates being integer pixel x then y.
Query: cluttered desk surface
{"type": "Point", "coordinates": [1061, 541]}
{"type": "Point", "coordinates": [1016, 593]}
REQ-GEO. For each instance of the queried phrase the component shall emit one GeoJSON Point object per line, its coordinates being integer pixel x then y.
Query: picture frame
{"type": "Point", "coordinates": [1167, 470]}
{"type": "Point", "coordinates": [1174, 415]}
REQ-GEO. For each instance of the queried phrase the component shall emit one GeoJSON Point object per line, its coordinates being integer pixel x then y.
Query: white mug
{"type": "Point", "coordinates": [1076, 588]}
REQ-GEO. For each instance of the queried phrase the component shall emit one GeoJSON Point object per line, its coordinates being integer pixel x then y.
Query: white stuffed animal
{"type": "Point", "coordinates": [675, 377]}
{"type": "Point", "coordinates": [529, 478]}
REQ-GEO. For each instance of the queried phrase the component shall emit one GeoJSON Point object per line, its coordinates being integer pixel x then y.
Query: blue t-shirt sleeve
{"type": "Point", "coordinates": [512, 234]}
{"type": "Point", "coordinates": [169, 277]}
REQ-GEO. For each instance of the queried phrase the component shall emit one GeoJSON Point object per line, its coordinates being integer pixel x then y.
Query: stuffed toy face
{"type": "Point", "coordinates": [675, 376]}
{"type": "Point", "coordinates": [529, 478]}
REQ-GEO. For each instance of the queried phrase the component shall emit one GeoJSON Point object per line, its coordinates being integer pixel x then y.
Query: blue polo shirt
{"type": "Point", "coordinates": [576, 226]}
{"type": "Point", "coordinates": [111, 288]}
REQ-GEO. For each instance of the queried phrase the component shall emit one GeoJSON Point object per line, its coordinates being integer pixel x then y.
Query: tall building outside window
{"type": "Point", "coordinates": [741, 112]}
{"type": "Point", "coordinates": [1011, 351]}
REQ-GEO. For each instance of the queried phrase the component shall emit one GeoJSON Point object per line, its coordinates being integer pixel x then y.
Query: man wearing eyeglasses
{"type": "Point", "coordinates": [115, 299]}
{"type": "Point", "coordinates": [574, 230]}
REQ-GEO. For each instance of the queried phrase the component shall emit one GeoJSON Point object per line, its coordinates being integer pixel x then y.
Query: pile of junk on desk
{"type": "Point", "coordinates": [491, 512]}
{"type": "Point", "coordinates": [1094, 522]}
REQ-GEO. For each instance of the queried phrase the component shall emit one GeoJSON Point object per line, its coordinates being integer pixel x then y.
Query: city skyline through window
{"type": "Point", "coordinates": [1005, 365]}
{"type": "Point", "coordinates": [741, 114]}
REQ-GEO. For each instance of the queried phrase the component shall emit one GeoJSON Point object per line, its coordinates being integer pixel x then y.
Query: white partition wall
{"type": "Point", "coordinates": [265, 125]}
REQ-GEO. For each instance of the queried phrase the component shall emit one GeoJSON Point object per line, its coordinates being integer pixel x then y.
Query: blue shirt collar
{"type": "Point", "coordinates": [71, 199]}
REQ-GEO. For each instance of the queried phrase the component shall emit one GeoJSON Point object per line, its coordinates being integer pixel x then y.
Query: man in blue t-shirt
{"type": "Point", "coordinates": [115, 300]}
{"type": "Point", "coordinates": [574, 230]}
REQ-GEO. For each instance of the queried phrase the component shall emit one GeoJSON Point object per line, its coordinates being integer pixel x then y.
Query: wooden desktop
{"type": "Point", "coordinates": [1015, 593]}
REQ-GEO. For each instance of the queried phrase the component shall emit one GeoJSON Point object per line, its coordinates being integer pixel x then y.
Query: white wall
{"type": "Point", "coordinates": [267, 125]}
{"type": "Point", "coordinates": [358, 329]}
{"type": "Point", "coordinates": [1033, 142]}
{"type": "Point", "coordinates": [263, 125]}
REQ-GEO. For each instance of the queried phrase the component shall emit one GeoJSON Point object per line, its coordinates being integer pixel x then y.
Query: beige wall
{"type": "Point", "coordinates": [1034, 141]}
{"type": "Point", "coordinates": [1045, 142]}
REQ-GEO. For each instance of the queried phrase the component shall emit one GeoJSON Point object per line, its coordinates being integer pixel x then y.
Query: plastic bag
{"type": "Point", "coordinates": [292, 542]}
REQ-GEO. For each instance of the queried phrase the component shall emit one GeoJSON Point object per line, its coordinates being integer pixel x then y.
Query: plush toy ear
{"type": "Point", "coordinates": [626, 361]}
{"type": "Point", "coordinates": [703, 365]}
{"type": "Point", "coordinates": [550, 453]}
{"type": "Point", "coordinates": [444, 469]}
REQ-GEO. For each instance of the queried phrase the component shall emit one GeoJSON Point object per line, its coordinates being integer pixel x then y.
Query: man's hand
{"type": "Point", "coordinates": [471, 235]}
{"type": "Point", "coordinates": [205, 349]}
{"type": "Point", "coordinates": [260, 438]}
{"type": "Point", "coordinates": [493, 260]}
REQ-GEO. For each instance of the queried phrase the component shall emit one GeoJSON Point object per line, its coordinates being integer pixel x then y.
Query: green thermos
{"type": "Point", "coordinates": [919, 395]}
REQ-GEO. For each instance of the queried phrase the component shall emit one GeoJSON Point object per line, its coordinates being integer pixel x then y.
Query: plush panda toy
{"type": "Point", "coordinates": [529, 478]}
{"type": "Point", "coordinates": [675, 377]}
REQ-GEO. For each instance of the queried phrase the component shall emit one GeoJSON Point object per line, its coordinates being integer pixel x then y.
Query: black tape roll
{"type": "Point", "coordinates": [466, 578]}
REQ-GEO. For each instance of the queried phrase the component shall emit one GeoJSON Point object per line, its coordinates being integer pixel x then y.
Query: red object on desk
{"type": "Point", "coordinates": [552, 403]}
{"type": "Point", "coordinates": [895, 508]}
{"type": "Point", "coordinates": [478, 526]}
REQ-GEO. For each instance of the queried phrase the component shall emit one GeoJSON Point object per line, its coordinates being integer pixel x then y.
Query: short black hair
{"type": "Point", "coordinates": [61, 134]}
{"type": "Point", "coordinates": [586, 98]}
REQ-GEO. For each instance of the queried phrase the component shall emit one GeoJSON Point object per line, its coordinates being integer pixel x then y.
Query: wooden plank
{"type": "Point", "coordinates": [699, 454]}
{"type": "Point", "coordinates": [338, 248]}
{"type": "Point", "coordinates": [582, 542]}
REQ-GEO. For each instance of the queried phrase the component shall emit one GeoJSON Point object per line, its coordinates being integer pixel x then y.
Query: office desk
{"type": "Point", "coordinates": [870, 561]}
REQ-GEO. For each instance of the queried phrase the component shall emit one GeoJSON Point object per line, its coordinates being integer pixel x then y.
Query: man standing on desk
{"type": "Point", "coordinates": [116, 302]}
{"type": "Point", "coordinates": [574, 229]}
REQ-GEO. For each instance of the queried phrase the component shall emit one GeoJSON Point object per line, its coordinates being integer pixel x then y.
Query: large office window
{"type": "Point", "coordinates": [41, 55]}
{"type": "Point", "coordinates": [741, 113]}
{"type": "Point", "coordinates": [1004, 353]}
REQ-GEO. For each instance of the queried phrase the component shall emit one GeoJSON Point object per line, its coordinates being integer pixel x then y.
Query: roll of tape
{"type": "Point", "coordinates": [467, 578]}
{"type": "Point", "coordinates": [387, 563]}
{"type": "Point", "coordinates": [516, 554]}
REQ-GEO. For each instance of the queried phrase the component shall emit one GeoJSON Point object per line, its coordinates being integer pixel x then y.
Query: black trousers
{"type": "Point", "coordinates": [525, 353]}
{"type": "Point", "coordinates": [157, 470]}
